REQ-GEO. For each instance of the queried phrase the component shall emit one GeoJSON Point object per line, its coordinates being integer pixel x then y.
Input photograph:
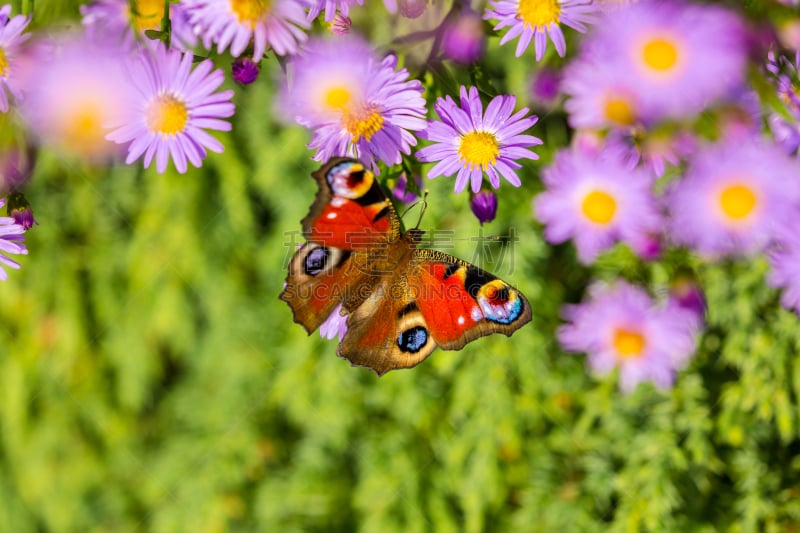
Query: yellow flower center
{"type": "Point", "coordinates": [535, 13]}
{"type": "Point", "coordinates": [628, 343]}
{"type": "Point", "coordinates": [166, 115]}
{"type": "Point", "coordinates": [3, 62]}
{"type": "Point", "coordinates": [147, 14]}
{"type": "Point", "coordinates": [660, 54]}
{"type": "Point", "coordinates": [619, 111]}
{"type": "Point", "coordinates": [599, 207]}
{"type": "Point", "coordinates": [337, 97]}
{"type": "Point", "coordinates": [249, 12]}
{"type": "Point", "coordinates": [363, 122]}
{"type": "Point", "coordinates": [82, 129]}
{"type": "Point", "coordinates": [738, 201]}
{"type": "Point", "coordinates": [478, 148]}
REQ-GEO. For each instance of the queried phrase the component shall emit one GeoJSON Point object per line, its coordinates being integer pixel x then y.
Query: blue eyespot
{"type": "Point", "coordinates": [316, 261]}
{"type": "Point", "coordinates": [412, 340]}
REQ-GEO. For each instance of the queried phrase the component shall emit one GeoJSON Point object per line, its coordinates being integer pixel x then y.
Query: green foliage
{"type": "Point", "coordinates": [150, 379]}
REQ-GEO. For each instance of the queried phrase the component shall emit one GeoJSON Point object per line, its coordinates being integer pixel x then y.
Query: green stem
{"type": "Point", "coordinates": [27, 7]}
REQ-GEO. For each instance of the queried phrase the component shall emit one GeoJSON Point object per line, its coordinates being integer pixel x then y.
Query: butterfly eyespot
{"type": "Point", "coordinates": [412, 340]}
{"type": "Point", "coordinates": [499, 303]}
{"type": "Point", "coordinates": [316, 261]}
{"type": "Point", "coordinates": [350, 179]}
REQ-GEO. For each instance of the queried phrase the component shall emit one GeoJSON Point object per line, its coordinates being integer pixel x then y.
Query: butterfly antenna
{"type": "Point", "coordinates": [424, 207]}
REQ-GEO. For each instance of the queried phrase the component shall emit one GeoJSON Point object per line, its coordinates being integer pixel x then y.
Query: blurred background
{"type": "Point", "coordinates": [151, 380]}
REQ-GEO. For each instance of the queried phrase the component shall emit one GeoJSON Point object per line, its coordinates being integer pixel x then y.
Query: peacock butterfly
{"type": "Point", "coordinates": [402, 302]}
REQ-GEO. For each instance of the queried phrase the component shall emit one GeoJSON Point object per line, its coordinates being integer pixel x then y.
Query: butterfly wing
{"type": "Point", "coordinates": [349, 219]}
{"type": "Point", "coordinates": [387, 331]}
{"type": "Point", "coordinates": [461, 302]}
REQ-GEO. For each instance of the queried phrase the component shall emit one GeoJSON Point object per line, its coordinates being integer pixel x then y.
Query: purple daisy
{"type": "Point", "coordinates": [536, 20]}
{"type": "Point", "coordinates": [279, 24]}
{"type": "Point", "coordinates": [472, 142]}
{"type": "Point", "coordinates": [75, 88]}
{"type": "Point", "coordinates": [653, 149]}
{"type": "Point", "coordinates": [621, 326]}
{"type": "Point", "coordinates": [735, 195]}
{"type": "Point", "coordinates": [675, 57]}
{"type": "Point", "coordinates": [331, 7]}
{"type": "Point", "coordinates": [463, 39]}
{"type": "Point", "coordinates": [596, 199]}
{"type": "Point", "coordinates": [173, 106]}
{"type": "Point", "coordinates": [12, 237]}
{"type": "Point", "coordinates": [11, 38]}
{"type": "Point", "coordinates": [354, 103]}
{"type": "Point", "coordinates": [600, 96]}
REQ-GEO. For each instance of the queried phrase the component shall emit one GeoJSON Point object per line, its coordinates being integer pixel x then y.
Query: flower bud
{"type": "Point", "coordinates": [20, 210]}
{"type": "Point", "coordinates": [244, 70]}
{"type": "Point", "coordinates": [484, 206]}
{"type": "Point", "coordinates": [340, 25]}
{"type": "Point", "coordinates": [412, 9]}
{"type": "Point", "coordinates": [463, 38]}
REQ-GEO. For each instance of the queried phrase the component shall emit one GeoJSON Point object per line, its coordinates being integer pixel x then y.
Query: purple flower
{"type": "Point", "coordinates": [484, 206]}
{"type": "Point", "coordinates": [537, 19]}
{"type": "Point", "coordinates": [114, 22]}
{"type": "Point", "coordinates": [12, 237]}
{"type": "Point", "coordinates": [412, 9]}
{"type": "Point", "coordinates": [600, 95]}
{"type": "Point", "coordinates": [595, 199]}
{"type": "Point", "coordinates": [354, 103]}
{"type": "Point", "coordinates": [400, 190]}
{"type": "Point", "coordinates": [675, 58]}
{"type": "Point", "coordinates": [244, 70]}
{"type": "Point", "coordinates": [16, 166]}
{"type": "Point", "coordinates": [75, 89]}
{"type": "Point", "coordinates": [340, 25]}
{"type": "Point", "coordinates": [463, 39]}
{"type": "Point", "coordinates": [335, 325]}
{"type": "Point", "coordinates": [20, 210]}
{"type": "Point", "coordinates": [786, 130]}
{"type": "Point", "coordinates": [734, 196]}
{"type": "Point", "coordinates": [653, 149]}
{"type": "Point", "coordinates": [331, 7]}
{"type": "Point", "coordinates": [620, 326]}
{"type": "Point", "coordinates": [471, 142]}
{"type": "Point", "coordinates": [686, 293]}
{"type": "Point", "coordinates": [173, 106]}
{"type": "Point", "coordinates": [545, 86]}
{"type": "Point", "coordinates": [784, 259]}
{"type": "Point", "coordinates": [280, 24]}
{"type": "Point", "coordinates": [11, 38]}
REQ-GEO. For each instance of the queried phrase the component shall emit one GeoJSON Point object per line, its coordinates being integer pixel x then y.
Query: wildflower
{"type": "Point", "coordinates": [595, 199]}
{"type": "Point", "coordinates": [545, 86]}
{"type": "Point", "coordinates": [20, 210]}
{"type": "Point", "coordinates": [620, 326]}
{"type": "Point", "coordinates": [75, 89]}
{"type": "Point", "coordinates": [173, 106]}
{"type": "Point", "coordinates": [12, 237]}
{"type": "Point", "coordinates": [786, 130]}
{"type": "Point", "coordinates": [11, 38]}
{"type": "Point", "coordinates": [400, 190]}
{"type": "Point", "coordinates": [244, 70]}
{"type": "Point", "coordinates": [472, 142]}
{"type": "Point", "coordinates": [116, 22]}
{"type": "Point", "coordinates": [784, 259]}
{"type": "Point", "coordinates": [674, 57]}
{"type": "Point", "coordinates": [600, 96]}
{"type": "Point", "coordinates": [335, 325]}
{"type": "Point", "coordinates": [484, 205]}
{"type": "Point", "coordinates": [354, 103]}
{"type": "Point", "coordinates": [280, 24]}
{"type": "Point", "coordinates": [412, 9]}
{"type": "Point", "coordinates": [537, 19]}
{"type": "Point", "coordinates": [340, 25]}
{"type": "Point", "coordinates": [463, 39]}
{"type": "Point", "coordinates": [331, 8]}
{"type": "Point", "coordinates": [686, 293]}
{"type": "Point", "coordinates": [734, 196]}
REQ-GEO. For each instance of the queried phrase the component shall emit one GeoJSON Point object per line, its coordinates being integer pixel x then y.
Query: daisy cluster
{"type": "Point", "coordinates": [683, 123]}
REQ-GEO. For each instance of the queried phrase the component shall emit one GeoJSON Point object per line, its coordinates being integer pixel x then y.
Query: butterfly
{"type": "Point", "coordinates": [401, 301]}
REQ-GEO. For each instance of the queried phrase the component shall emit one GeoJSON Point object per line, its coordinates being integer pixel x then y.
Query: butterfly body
{"type": "Point", "coordinates": [400, 301]}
